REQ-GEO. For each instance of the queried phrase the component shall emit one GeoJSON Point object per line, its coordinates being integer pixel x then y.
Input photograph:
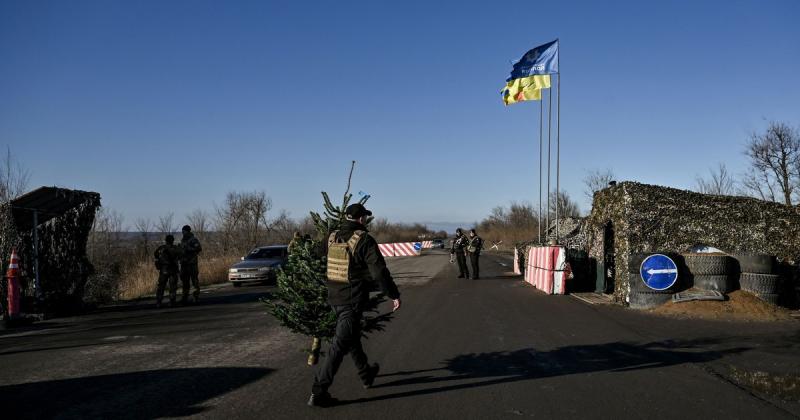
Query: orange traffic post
{"type": "Point", "coordinates": [13, 285]}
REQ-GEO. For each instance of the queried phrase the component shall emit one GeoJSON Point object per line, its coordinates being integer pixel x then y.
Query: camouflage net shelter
{"type": "Point", "coordinates": [636, 218]}
{"type": "Point", "coordinates": [55, 224]}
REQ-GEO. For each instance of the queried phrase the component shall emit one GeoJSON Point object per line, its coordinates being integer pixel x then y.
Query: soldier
{"type": "Point", "coordinates": [474, 247]}
{"type": "Point", "coordinates": [353, 261]}
{"type": "Point", "coordinates": [190, 247]}
{"type": "Point", "coordinates": [296, 241]}
{"type": "Point", "coordinates": [166, 259]}
{"type": "Point", "coordinates": [458, 248]}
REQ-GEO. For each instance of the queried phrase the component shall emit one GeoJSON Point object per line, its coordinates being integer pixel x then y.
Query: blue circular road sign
{"type": "Point", "coordinates": [659, 272]}
{"type": "Point", "coordinates": [417, 246]}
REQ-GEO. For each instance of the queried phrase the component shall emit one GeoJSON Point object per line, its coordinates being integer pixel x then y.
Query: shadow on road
{"type": "Point", "coordinates": [485, 369]}
{"type": "Point", "coordinates": [135, 395]}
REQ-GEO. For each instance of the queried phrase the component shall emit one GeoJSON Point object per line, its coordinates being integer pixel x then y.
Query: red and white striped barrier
{"type": "Point", "coordinates": [405, 249]}
{"type": "Point", "coordinates": [516, 261]}
{"type": "Point", "coordinates": [427, 244]}
{"type": "Point", "coordinates": [400, 249]}
{"type": "Point", "coordinates": [546, 269]}
{"type": "Point", "coordinates": [387, 250]}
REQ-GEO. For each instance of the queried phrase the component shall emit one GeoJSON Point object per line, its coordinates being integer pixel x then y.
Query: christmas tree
{"type": "Point", "coordinates": [300, 302]}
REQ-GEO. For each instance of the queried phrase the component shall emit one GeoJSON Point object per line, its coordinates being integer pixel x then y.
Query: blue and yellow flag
{"type": "Point", "coordinates": [540, 60]}
{"type": "Point", "coordinates": [531, 74]}
{"type": "Point", "coordinates": [525, 89]}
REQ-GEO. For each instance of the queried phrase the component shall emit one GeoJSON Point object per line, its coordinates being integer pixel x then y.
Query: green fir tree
{"type": "Point", "coordinates": [300, 302]}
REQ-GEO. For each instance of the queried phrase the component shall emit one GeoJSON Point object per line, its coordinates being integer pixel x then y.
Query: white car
{"type": "Point", "coordinates": [260, 265]}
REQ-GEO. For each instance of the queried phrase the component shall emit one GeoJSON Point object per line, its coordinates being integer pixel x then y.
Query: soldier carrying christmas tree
{"type": "Point", "coordinates": [353, 261]}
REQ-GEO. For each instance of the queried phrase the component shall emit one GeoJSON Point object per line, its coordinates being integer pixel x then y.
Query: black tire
{"type": "Point", "coordinates": [755, 263]}
{"type": "Point", "coordinates": [647, 299]}
{"type": "Point", "coordinates": [635, 261]}
{"type": "Point", "coordinates": [719, 283]}
{"type": "Point", "coordinates": [637, 285]}
{"type": "Point", "coordinates": [771, 298]}
{"type": "Point", "coordinates": [759, 283]}
{"type": "Point", "coordinates": [237, 284]}
{"type": "Point", "coordinates": [707, 264]}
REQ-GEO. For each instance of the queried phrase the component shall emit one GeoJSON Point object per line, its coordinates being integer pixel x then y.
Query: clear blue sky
{"type": "Point", "coordinates": [165, 106]}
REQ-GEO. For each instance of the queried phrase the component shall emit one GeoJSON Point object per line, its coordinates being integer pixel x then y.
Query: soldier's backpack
{"type": "Point", "coordinates": [162, 257]}
{"type": "Point", "coordinates": [340, 256]}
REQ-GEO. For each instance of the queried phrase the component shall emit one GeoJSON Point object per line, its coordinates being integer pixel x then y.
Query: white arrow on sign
{"type": "Point", "coordinates": [662, 271]}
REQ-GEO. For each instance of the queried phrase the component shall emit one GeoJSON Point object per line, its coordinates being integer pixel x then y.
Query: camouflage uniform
{"type": "Point", "coordinates": [190, 247]}
{"type": "Point", "coordinates": [458, 249]}
{"type": "Point", "coordinates": [296, 242]}
{"type": "Point", "coordinates": [166, 259]}
{"type": "Point", "coordinates": [474, 247]}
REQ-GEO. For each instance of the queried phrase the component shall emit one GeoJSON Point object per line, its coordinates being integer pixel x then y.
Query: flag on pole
{"type": "Point", "coordinates": [525, 89]}
{"type": "Point", "coordinates": [531, 74]}
{"type": "Point", "coordinates": [540, 60]}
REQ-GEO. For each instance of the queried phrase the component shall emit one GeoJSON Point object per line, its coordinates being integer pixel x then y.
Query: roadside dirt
{"type": "Point", "coordinates": [740, 306]}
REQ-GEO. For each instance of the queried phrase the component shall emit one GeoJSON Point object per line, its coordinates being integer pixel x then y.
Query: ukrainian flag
{"type": "Point", "coordinates": [531, 74]}
{"type": "Point", "coordinates": [525, 89]}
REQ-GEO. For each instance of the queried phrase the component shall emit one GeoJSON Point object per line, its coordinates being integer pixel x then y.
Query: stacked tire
{"type": "Point", "coordinates": [641, 296]}
{"type": "Point", "coordinates": [758, 276]}
{"type": "Point", "coordinates": [710, 271]}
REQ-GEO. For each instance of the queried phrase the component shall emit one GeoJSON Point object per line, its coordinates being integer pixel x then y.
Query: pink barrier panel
{"type": "Point", "coordinates": [387, 250]}
{"type": "Point", "coordinates": [427, 244]}
{"type": "Point", "coordinates": [545, 269]}
{"type": "Point", "coordinates": [405, 249]}
{"type": "Point", "coordinates": [402, 249]}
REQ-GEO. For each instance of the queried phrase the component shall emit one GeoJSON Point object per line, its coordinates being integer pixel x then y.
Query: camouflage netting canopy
{"type": "Point", "coordinates": [649, 218]}
{"type": "Point", "coordinates": [64, 219]}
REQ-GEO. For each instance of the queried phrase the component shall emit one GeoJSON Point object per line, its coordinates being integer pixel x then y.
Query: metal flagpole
{"type": "Point", "coordinates": [558, 139]}
{"type": "Point", "coordinates": [541, 118]}
{"type": "Point", "coordinates": [549, 126]}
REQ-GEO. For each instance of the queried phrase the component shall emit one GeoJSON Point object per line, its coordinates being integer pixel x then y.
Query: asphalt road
{"type": "Point", "coordinates": [483, 349]}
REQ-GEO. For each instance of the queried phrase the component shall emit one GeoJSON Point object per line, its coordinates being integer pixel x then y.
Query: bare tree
{"type": "Point", "coordinates": [198, 220]}
{"type": "Point", "coordinates": [105, 237]}
{"type": "Point", "coordinates": [720, 182]}
{"type": "Point", "coordinates": [242, 219]}
{"type": "Point", "coordinates": [166, 223]}
{"type": "Point", "coordinates": [257, 204]}
{"type": "Point", "coordinates": [144, 227]}
{"type": "Point", "coordinates": [283, 227]}
{"type": "Point", "coordinates": [774, 163]}
{"type": "Point", "coordinates": [595, 180]}
{"type": "Point", "coordinates": [518, 222]}
{"type": "Point", "coordinates": [758, 184]}
{"type": "Point", "coordinates": [13, 177]}
{"type": "Point", "coordinates": [566, 207]}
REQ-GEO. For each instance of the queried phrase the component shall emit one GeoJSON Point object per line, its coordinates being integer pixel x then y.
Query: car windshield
{"type": "Point", "coordinates": [264, 253]}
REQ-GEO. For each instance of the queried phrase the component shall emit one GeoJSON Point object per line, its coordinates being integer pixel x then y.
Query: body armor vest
{"type": "Point", "coordinates": [341, 267]}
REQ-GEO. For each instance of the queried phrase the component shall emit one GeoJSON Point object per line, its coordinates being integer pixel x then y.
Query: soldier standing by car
{"type": "Point", "coordinates": [166, 260]}
{"type": "Point", "coordinates": [458, 248]}
{"type": "Point", "coordinates": [354, 260]}
{"type": "Point", "coordinates": [190, 248]}
{"type": "Point", "coordinates": [474, 247]}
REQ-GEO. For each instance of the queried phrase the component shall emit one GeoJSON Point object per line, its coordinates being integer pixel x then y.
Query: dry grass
{"type": "Point", "coordinates": [141, 278]}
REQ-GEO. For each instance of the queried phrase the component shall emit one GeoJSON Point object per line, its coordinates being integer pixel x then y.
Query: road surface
{"type": "Point", "coordinates": [482, 349]}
